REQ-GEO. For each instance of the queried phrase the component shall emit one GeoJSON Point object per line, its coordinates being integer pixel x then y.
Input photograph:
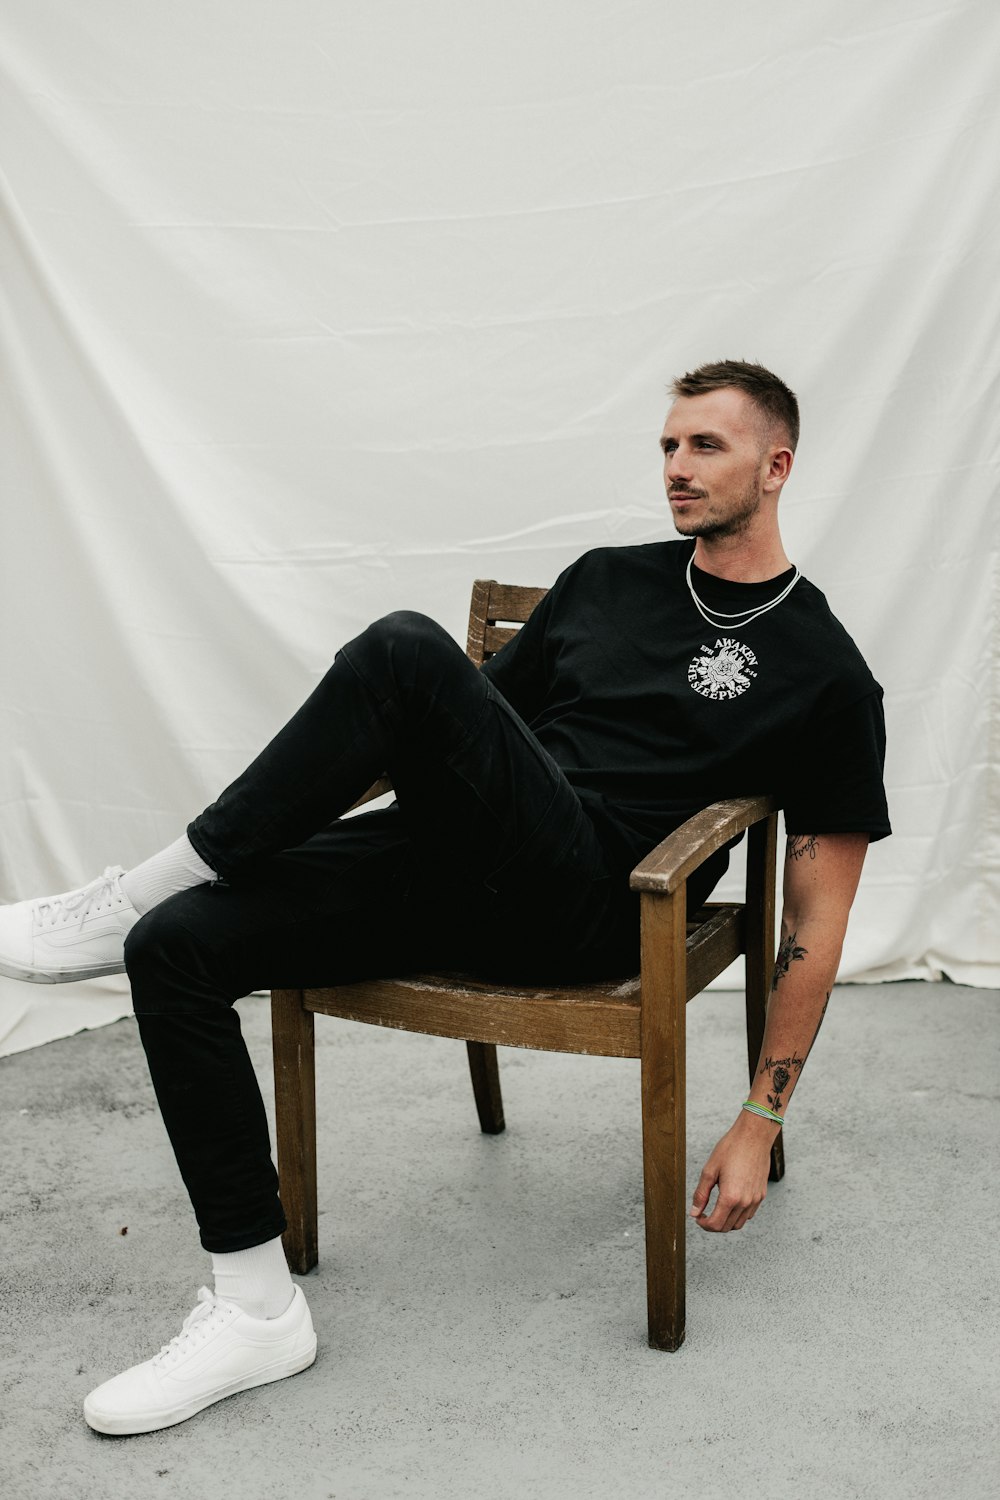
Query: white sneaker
{"type": "Point", "coordinates": [219, 1350]}
{"type": "Point", "coordinates": [78, 935]}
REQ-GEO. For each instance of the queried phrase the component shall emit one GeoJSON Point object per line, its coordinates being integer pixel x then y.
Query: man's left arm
{"type": "Point", "coordinates": [821, 876]}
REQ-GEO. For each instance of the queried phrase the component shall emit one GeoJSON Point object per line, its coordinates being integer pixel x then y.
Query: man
{"type": "Point", "coordinates": [650, 681]}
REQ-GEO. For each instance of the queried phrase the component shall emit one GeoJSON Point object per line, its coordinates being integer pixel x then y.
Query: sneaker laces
{"type": "Point", "coordinates": [199, 1323]}
{"type": "Point", "coordinates": [104, 891]}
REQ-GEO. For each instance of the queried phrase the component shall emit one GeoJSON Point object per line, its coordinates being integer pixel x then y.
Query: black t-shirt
{"type": "Point", "coordinates": [652, 713]}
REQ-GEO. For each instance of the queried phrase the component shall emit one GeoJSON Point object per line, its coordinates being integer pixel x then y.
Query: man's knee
{"type": "Point", "coordinates": [161, 955]}
{"type": "Point", "coordinates": [407, 643]}
{"type": "Point", "coordinates": [409, 630]}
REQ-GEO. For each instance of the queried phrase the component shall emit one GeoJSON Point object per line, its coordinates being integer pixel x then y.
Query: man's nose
{"type": "Point", "coordinates": [678, 467]}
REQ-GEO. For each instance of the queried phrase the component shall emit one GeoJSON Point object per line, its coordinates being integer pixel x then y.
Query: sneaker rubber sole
{"type": "Point", "coordinates": [125, 1426]}
{"type": "Point", "coordinates": [57, 976]}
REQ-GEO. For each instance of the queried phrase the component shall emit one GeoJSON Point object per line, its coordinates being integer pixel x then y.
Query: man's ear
{"type": "Point", "coordinates": [779, 468]}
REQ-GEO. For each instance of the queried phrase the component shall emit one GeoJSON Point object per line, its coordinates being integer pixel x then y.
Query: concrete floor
{"type": "Point", "coordinates": [480, 1302]}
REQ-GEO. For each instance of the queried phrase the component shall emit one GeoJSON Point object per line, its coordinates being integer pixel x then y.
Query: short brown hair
{"type": "Point", "coordinates": [770, 395]}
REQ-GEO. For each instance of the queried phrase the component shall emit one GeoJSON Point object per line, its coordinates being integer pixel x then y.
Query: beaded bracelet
{"type": "Point", "coordinates": [761, 1109]}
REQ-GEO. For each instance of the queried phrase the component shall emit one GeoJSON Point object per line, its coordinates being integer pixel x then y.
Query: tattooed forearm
{"type": "Point", "coordinates": [799, 845]}
{"type": "Point", "coordinates": [780, 1069]}
{"type": "Point", "coordinates": [787, 954]}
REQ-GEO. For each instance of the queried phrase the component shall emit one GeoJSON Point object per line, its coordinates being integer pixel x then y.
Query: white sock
{"type": "Point", "coordinates": [255, 1280]}
{"type": "Point", "coordinates": [176, 868]}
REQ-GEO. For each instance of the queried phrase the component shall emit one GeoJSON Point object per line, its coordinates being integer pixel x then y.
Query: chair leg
{"type": "Point", "coordinates": [664, 989]}
{"type": "Point", "coordinates": [761, 855]}
{"type": "Point", "coordinates": [293, 1037]}
{"type": "Point", "coordinates": [486, 1086]}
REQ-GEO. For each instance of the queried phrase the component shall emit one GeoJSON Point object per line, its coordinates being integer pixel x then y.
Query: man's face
{"type": "Point", "coordinates": [715, 463]}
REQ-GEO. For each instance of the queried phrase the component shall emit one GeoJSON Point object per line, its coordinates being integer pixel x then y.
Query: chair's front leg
{"type": "Point", "coordinates": [293, 1041]}
{"type": "Point", "coordinates": [761, 855]}
{"type": "Point", "coordinates": [664, 992]}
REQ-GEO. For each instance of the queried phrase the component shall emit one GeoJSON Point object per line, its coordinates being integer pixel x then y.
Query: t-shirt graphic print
{"type": "Point", "coordinates": [724, 670]}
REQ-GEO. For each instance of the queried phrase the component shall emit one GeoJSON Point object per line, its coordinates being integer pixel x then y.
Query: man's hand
{"type": "Point", "coordinates": [739, 1165]}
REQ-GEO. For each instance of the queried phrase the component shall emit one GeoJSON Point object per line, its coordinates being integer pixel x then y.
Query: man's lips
{"type": "Point", "coordinates": [681, 496]}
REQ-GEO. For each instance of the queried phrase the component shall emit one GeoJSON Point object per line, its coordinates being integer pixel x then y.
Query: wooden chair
{"type": "Point", "coordinates": [642, 1016]}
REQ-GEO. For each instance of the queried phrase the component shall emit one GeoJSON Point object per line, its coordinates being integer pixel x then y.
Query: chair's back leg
{"type": "Point", "coordinates": [664, 992]}
{"type": "Point", "coordinates": [761, 855]}
{"type": "Point", "coordinates": [486, 1086]}
{"type": "Point", "coordinates": [293, 1041]}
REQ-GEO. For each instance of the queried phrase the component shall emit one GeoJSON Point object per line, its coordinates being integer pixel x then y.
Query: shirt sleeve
{"type": "Point", "coordinates": [835, 781]}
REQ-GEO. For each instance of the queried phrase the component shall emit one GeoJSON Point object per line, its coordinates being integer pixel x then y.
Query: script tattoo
{"type": "Point", "coordinates": [780, 1069]}
{"type": "Point", "coordinates": [799, 845]}
{"type": "Point", "coordinates": [787, 954]}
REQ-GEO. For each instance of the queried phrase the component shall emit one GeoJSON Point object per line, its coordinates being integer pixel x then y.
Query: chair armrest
{"type": "Point", "coordinates": [668, 865]}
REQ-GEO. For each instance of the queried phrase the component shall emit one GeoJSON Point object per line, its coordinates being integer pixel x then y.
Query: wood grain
{"type": "Point", "coordinates": [664, 987]}
{"type": "Point", "coordinates": [486, 1086]}
{"type": "Point", "coordinates": [667, 866]}
{"type": "Point", "coordinates": [293, 1043]}
{"type": "Point", "coordinates": [761, 859]}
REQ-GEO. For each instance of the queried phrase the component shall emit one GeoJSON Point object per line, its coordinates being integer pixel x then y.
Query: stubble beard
{"type": "Point", "coordinates": [716, 527]}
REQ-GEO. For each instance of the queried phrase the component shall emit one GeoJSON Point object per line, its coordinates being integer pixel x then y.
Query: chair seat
{"type": "Point", "coordinates": [601, 1019]}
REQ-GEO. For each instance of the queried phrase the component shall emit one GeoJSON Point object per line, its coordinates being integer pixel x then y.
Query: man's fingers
{"type": "Point", "coordinates": [720, 1219]}
{"type": "Point", "coordinates": [728, 1214]}
{"type": "Point", "coordinates": [703, 1192]}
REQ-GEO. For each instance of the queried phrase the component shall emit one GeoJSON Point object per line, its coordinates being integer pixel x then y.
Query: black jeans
{"type": "Point", "coordinates": [488, 861]}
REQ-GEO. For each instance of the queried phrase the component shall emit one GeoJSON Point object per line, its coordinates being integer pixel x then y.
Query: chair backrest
{"type": "Point", "coordinates": [496, 613]}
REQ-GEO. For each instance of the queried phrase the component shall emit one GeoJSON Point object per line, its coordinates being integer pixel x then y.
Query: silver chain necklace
{"type": "Point", "coordinates": [720, 621]}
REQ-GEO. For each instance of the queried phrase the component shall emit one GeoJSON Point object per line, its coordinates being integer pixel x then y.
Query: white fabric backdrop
{"type": "Point", "coordinates": [320, 309]}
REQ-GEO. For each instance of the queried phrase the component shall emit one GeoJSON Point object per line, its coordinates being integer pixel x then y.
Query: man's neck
{"type": "Point", "coordinates": [741, 559]}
